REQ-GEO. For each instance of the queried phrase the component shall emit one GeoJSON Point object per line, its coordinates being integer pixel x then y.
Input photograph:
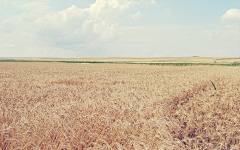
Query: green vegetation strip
{"type": "Point", "coordinates": [125, 62]}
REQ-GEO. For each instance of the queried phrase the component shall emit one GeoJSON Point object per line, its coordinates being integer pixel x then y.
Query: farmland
{"type": "Point", "coordinates": [53, 105]}
{"type": "Point", "coordinates": [173, 61]}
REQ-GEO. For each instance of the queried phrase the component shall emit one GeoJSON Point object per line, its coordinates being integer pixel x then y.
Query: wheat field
{"type": "Point", "coordinates": [55, 106]}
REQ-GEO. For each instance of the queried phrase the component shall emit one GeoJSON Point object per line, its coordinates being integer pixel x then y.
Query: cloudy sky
{"type": "Point", "coordinates": [119, 28]}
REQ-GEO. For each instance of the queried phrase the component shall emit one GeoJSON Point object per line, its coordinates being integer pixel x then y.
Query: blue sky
{"type": "Point", "coordinates": [119, 28]}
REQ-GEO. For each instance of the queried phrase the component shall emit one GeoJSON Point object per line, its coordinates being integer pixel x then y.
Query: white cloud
{"type": "Point", "coordinates": [6, 2]}
{"type": "Point", "coordinates": [24, 22]}
{"type": "Point", "coordinates": [67, 21]}
{"type": "Point", "coordinates": [231, 14]}
{"type": "Point", "coordinates": [6, 49]}
{"type": "Point", "coordinates": [75, 20]}
{"type": "Point", "coordinates": [233, 27]}
{"type": "Point", "coordinates": [6, 46]}
{"type": "Point", "coordinates": [86, 23]}
{"type": "Point", "coordinates": [69, 29]}
{"type": "Point", "coordinates": [173, 41]}
{"type": "Point", "coordinates": [48, 51]}
{"type": "Point", "coordinates": [135, 16]}
{"type": "Point", "coordinates": [104, 30]}
{"type": "Point", "coordinates": [35, 5]}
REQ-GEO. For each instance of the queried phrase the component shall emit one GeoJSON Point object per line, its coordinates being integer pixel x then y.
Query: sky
{"type": "Point", "coordinates": [119, 28]}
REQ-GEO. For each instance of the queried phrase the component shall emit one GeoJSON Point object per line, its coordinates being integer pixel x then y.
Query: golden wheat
{"type": "Point", "coordinates": [114, 106]}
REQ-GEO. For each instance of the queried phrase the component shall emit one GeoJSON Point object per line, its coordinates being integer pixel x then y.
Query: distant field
{"type": "Point", "coordinates": [177, 61]}
{"type": "Point", "coordinates": [118, 106]}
